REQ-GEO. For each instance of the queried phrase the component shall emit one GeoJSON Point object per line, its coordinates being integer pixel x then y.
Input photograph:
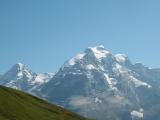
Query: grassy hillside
{"type": "Point", "coordinates": [17, 105]}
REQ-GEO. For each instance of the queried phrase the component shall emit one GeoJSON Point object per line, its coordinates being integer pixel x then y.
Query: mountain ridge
{"type": "Point", "coordinates": [95, 83]}
{"type": "Point", "coordinates": [20, 77]}
{"type": "Point", "coordinates": [96, 78]}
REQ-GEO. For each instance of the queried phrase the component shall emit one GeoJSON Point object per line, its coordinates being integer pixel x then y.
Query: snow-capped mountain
{"type": "Point", "coordinates": [104, 86]}
{"type": "Point", "coordinates": [19, 77]}
{"type": "Point", "coordinates": [96, 84]}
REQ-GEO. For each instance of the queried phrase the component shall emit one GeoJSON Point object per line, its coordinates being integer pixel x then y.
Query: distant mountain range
{"type": "Point", "coordinates": [97, 84]}
{"type": "Point", "coordinates": [20, 77]}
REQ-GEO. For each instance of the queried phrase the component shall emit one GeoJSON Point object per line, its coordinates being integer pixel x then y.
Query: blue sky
{"type": "Point", "coordinates": [44, 33]}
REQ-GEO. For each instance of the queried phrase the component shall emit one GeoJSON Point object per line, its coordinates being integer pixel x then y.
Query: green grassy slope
{"type": "Point", "coordinates": [17, 105]}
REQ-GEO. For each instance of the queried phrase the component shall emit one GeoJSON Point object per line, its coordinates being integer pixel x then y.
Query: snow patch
{"type": "Point", "coordinates": [139, 83]}
{"type": "Point", "coordinates": [21, 66]}
{"type": "Point", "coordinates": [73, 60]}
{"type": "Point", "coordinates": [137, 114]}
{"type": "Point", "coordinates": [99, 51]}
{"type": "Point", "coordinates": [109, 81]}
{"type": "Point", "coordinates": [90, 67]}
{"type": "Point", "coordinates": [125, 72]}
{"type": "Point", "coordinates": [42, 78]}
{"type": "Point", "coordinates": [101, 68]}
{"type": "Point", "coordinates": [20, 75]}
{"type": "Point", "coordinates": [97, 100]}
{"type": "Point", "coordinates": [75, 73]}
{"type": "Point", "coordinates": [120, 69]}
{"type": "Point", "coordinates": [121, 58]}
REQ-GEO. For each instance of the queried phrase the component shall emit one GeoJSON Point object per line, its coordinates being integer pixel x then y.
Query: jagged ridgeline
{"type": "Point", "coordinates": [95, 83]}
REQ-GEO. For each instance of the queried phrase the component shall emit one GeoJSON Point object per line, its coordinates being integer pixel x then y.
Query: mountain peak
{"type": "Point", "coordinates": [98, 51]}
{"type": "Point", "coordinates": [19, 66]}
{"type": "Point", "coordinates": [18, 71]}
{"type": "Point", "coordinates": [99, 46]}
{"type": "Point", "coordinates": [20, 77]}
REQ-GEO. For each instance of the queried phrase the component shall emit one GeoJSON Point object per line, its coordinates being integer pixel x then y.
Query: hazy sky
{"type": "Point", "coordinates": [44, 33]}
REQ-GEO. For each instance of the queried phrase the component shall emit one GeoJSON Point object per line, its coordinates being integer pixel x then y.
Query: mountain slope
{"type": "Point", "coordinates": [101, 85]}
{"type": "Point", "coordinates": [16, 105]}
